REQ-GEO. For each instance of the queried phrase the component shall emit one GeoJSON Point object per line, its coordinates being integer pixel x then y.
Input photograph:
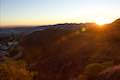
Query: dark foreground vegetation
{"type": "Point", "coordinates": [84, 53]}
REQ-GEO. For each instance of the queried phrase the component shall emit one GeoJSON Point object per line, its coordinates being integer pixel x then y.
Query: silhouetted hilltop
{"type": "Point", "coordinates": [117, 21]}
{"type": "Point", "coordinates": [24, 30]}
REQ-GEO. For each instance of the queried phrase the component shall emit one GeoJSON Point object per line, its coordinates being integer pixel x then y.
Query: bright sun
{"type": "Point", "coordinates": [102, 21]}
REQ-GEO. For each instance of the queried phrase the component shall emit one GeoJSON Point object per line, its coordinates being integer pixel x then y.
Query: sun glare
{"type": "Point", "coordinates": [102, 21]}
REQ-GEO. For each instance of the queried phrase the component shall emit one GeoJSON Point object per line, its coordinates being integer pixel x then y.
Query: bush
{"type": "Point", "coordinates": [92, 70]}
{"type": "Point", "coordinates": [14, 70]}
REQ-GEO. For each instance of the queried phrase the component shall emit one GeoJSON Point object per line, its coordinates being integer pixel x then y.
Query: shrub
{"type": "Point", "coordinates": [92, 70]}
{"type": "Point", "coordinates": [14, 70]}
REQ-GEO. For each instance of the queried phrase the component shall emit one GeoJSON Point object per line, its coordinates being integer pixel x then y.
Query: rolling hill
{"type": "Point", "coordinates": [63, 54]}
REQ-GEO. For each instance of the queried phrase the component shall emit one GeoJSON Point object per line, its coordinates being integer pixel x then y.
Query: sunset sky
{"type": "Point", "coordinates": [43, 12]}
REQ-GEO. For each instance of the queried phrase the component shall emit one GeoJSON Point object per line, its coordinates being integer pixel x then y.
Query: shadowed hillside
{"type": "Point", "coordinates": [63, 54]}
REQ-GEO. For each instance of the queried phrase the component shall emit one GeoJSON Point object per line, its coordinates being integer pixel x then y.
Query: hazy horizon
{"type": "Point", "coordinates": [47, 12]}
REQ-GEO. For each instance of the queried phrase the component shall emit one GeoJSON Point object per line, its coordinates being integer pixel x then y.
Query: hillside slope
{"type": "Point", "coordinates": [59, 54]}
